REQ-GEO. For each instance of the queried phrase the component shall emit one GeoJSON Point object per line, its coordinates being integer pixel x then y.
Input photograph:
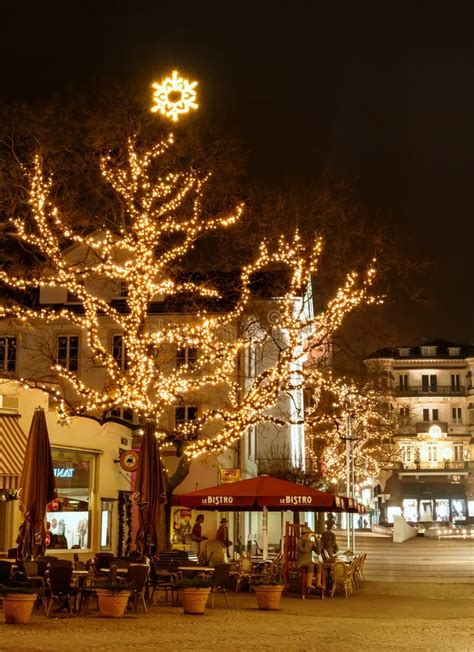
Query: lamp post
{"type": "Point", "coordinates": [350, 475]}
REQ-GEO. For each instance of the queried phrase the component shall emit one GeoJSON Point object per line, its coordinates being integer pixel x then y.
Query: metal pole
{"type": "Point", "coordinates": [348, 485]}
{"type": "Point", "coordinates": [353, 495]}
{"type": "Point", "coordinates": [265, 532]}
{"type": "Point", "coordinates": [352, 476]}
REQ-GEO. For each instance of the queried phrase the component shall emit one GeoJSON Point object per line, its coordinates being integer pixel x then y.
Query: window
{"type": "Point", "coordinates": [186, 356]}
{"type": "Point", "coordinates": [458, 451]}
{"type": "Point", "coordinates": [185, 413]}
{"type": "Point", "coordinates": [432, 452]}
{"type": "Point", "coordinates": [428, 350]}
{"type": "Point", "coordinates": [403, 381]}
{"type": "Point", "coordinates": [252, 442]}
{"type": "Point", "coordinates": [455, 382]}
{"type": "Point", "coordinates": [456, 413]}
{"type": "Point", "coordinates": [403, 352]}
{"type": "Point", "coordinates": [454, 351]}
{"type": "Point", "coordinates": [69, 518]}
{"type": "Point", "coordinates": [107, 509]}
{"type": "Point", "coordinates": [429, 383]}
{"type": "Point", "coordinates": [404, 416]}
{"type": "Point", "coordinates": [119, 352]}
{"type": "Point", "coordinates": [406, 452]}
{"type": "Point", "coordinates": [434, 414]}
{"type": "Point", "coordinates": [7, 353]}
{"type": "Point", "coordinates": [123, 289]}
{"type": "Point", "coordinates": [68, 352]}
{"type": "Point", "coordinates": [251, 361]}
{"type": "Point", "coordinates": [122, 413]}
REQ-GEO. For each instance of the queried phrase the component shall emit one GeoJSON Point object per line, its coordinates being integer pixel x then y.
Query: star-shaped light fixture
{"type": "Point", "coordinates": [174, 96]}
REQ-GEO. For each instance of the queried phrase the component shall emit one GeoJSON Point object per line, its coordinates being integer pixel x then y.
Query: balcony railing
{"type": "Point", "coordinates": [434, 466]}
{"type": "Point", "coordinates": [424, 426]}
{"type": "Point", "coordinates": [422, 390]}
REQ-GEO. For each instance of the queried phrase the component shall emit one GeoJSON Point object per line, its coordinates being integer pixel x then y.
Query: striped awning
{"type": "Point", "coordinates": [12, 450]}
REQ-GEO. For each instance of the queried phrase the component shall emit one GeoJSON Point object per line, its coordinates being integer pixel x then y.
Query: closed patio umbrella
{"type": "Point", "coordinates": [149, 493]}
{"type": "Point", "coordinates": [37, 488]}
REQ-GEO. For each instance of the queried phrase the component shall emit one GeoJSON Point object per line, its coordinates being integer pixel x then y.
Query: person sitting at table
{"type": "Point", "coordinates": [328, 541]}
{"type": "Point", "coordinates": [305, 547]}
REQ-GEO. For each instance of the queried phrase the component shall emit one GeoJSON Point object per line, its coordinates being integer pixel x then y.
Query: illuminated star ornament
{"type": "Point", "coordinates": [174, 96]}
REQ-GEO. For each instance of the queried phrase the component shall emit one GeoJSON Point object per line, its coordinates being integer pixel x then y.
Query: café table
{"type": "Point", "coordinates": [120, 571]}
{"type": "Point", "coordinates": [196, 569]}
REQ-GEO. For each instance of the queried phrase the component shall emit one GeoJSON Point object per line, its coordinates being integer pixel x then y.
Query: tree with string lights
{"type": "Point", "coordinates": [341, 410]}
{"type": "Point", "coordinates": [144, 260]}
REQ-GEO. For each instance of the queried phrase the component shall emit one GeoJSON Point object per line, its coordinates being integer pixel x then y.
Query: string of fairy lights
{"type": "Point", "coordinates": [147, 384]}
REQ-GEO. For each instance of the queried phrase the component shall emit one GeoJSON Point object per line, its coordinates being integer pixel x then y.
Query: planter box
{"type": "Point", "coordinates": [112, 604]}
{"type": "Point", "coordinates": [194, 600]}
{"type": "Point", "coordinates": [268, 596]}
{"type": "Point", "coordinates": [18, 607]}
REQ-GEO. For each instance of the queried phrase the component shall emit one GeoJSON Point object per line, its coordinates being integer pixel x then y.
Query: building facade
{"type": "Point", "coordinates": [93, 512]}
{"type": "Point", "coordinates": [430, 386]}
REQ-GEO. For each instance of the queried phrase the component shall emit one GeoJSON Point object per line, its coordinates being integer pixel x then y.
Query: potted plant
{"type": "Point", "coordinates": [193, 594]}
{"type": "Point", "coordinates": [112, 598]}
{"type": "Point", "coordinates": [18, 601]}
{"type": "Point", "coordinates": [268, 591]}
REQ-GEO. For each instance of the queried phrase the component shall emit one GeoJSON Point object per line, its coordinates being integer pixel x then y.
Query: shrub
{"type": "Point", "coordinates": [270, 580]}
{"type": "Point", "coordinates": [194, 583]}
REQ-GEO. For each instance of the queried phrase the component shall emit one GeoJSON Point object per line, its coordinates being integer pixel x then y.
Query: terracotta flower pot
{"type": "Point", "coordinates": [112, 604]}
{"type": "Point", "coordinates": [268, 596]}
{"type": "Point", "coordinates": [194, 600]}
{"type": "Point", "coordinates": [18, 607]}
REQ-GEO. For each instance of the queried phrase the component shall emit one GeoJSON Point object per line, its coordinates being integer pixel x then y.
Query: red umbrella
{"type": "Point", "coordinates": [37, 488]}
{"type": "Point", "coordinates": [149, 493]}
{"type": "Point", "coordinates": [260, 492]}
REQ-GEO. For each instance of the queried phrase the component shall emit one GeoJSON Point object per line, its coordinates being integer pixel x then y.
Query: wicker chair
{"type": "Point", "coordinates": [342, 575]}
{"type": "Point", "coordinates": [358, 569]}
{"type": "Point", "coordinates": [244, 571]}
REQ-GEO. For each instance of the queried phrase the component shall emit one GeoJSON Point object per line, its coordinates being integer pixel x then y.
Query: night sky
{"type": "Point", "coordinates": [379, 94]}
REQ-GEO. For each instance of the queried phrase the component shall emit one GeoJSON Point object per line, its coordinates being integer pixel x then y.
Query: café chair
{"type": "Point", "coordinates": [219, 581]}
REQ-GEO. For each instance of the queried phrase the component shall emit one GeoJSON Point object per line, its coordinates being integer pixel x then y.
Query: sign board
{"type": "Point", "coordinates": [129, 461]}
{"type": "Point", "coordinates": [229, 475]}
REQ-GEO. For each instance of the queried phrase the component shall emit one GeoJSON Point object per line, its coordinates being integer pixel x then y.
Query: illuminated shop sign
{"type": "Point", "coordinates": [61, 472]}
{"type": "Point", "coordinates": [296, 500]}
{"type": "Point", "coordinates": [218, 500]}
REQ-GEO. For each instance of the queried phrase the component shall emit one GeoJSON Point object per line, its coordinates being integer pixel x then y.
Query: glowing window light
{"type": "Point", "coordinates": [174, 96]}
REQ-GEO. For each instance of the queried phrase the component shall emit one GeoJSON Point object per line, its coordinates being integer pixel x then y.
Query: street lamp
{"type": "Point", "coordinates": [350, 474]}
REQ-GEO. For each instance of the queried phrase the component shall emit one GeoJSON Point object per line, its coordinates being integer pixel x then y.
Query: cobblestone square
{"type": "Point", "coordinates": [381, 616]}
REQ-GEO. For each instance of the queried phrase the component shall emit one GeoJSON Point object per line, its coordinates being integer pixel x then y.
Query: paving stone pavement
{"type": "Point", "coordinates": [381, 616]}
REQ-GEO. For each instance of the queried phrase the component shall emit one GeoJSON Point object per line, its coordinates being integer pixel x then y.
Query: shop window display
{"type": "Point", "coordinates": [458, 509]}
{"type": "Point", "coordinates": [410, 510]}
{"type": "Point", "coordinates": [442, 509]}
{"type": "Point", "coordinates": [69, 515]}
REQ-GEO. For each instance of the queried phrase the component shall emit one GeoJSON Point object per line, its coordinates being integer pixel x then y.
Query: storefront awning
{"type": "Point", "coordinates": [12, 450]}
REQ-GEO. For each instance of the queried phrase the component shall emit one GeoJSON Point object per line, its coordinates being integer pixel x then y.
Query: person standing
{"type": "Point", "coordinates": [305, 548]}
{"type": "Point", "coordinates": [328, 541]}
{"type": "Point", "coordinates": [196, 534]}
{"type": "Point", "coordinates": [222, 534]}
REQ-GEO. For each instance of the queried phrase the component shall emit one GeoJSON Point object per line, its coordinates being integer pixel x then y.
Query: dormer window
{"type": "Point", "coordinates": [454, 351]}
{"type": "Point", "coordinates": [404, 352]}
{"type": "Point", "coordinates": [428, 351]}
